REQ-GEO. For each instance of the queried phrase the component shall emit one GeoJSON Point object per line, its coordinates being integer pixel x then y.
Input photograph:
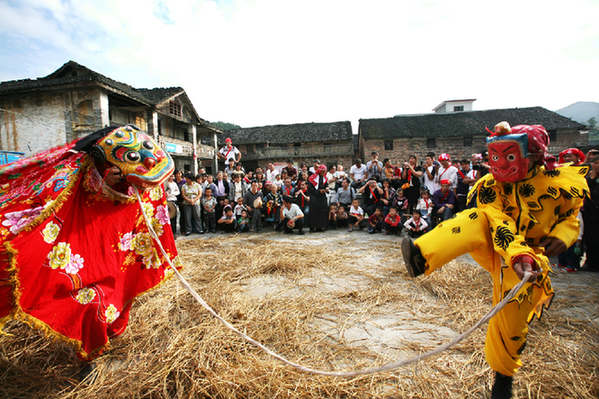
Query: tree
{"type": "Point", "coordinates": [226, 125]}
{"type": "Point", "coordinates": [592, 123]}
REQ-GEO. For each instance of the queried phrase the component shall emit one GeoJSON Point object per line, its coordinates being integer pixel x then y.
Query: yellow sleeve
{"type": "Point", "coordinates": [574, 189]}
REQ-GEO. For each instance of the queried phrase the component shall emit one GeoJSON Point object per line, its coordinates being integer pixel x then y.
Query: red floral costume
{"type": "Point", "coordinates": [74, 253]}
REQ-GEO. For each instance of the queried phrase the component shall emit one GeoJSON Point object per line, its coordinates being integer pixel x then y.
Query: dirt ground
{"type": "Point", "coordinates": [350, 307]}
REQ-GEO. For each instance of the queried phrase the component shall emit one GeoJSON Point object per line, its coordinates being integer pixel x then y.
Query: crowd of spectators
{"type": "Point", "coordinates": [409, 197]}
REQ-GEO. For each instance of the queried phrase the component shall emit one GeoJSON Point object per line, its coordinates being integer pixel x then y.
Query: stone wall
{"type": "Point", "coordinates": [42, 121]}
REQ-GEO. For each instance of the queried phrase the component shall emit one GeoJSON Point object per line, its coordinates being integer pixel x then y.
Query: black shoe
{"type": "Point", "coordinates": [301, 233]}
{"type": "Point", "coordinates": [502, 388]}
{"type": "Point", "coordinates": [88, 373]}
{"type": "Point", "coordinates": [412, 257]}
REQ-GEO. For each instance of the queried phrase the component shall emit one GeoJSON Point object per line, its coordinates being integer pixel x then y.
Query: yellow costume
{"type": "Point", "coordinates": [511, 220]}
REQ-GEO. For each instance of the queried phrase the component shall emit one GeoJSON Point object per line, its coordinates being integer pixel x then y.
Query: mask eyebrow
{"type": "Point", "coordinates": [512, 146]}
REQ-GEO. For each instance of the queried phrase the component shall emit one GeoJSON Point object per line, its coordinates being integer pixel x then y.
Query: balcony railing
{"type": "Point", "coordinates": [307, 151]}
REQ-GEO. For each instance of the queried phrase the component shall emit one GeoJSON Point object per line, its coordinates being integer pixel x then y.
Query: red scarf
{"type": "Point", "coordinates": [373, 196]}
{"type": "Point", "coordinates": [314, 177]}
{"type": "Point", "coordinates": [227, 154]}
{"type": "Point", "coordinates": [303, 192]}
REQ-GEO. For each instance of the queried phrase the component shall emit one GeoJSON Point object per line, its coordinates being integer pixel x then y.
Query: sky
{"type": "Point", "coordinates": [267, 62]}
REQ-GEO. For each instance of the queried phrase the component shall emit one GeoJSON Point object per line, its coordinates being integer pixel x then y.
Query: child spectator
{"type": "Point", "coordinates": [342, 217]}
{"type": "Point", "coordinates": [278, 182]}
{"type": "Point", "coordinates": [425, 206]}
{"type": "Point", "coordinates": [415, 225]}
{"type": "Point", "coordinates": [333, 216]}
{"type": "Point", "coordinates": [243, 222]}
{"type": "Point", "coordinates": [392, 222]}
{"type": "Point", "coordinates": [388, 195]}
{"type": "Point", "coordinates": [400, 202]}
{"type": "Point", "coordinates": [239, 208]}
{"type": "Point", "coordinates": [227, 221]}
{"type": "Point", "coordinates": [356, 215]}
{"type": "Point", "coordinates": [377, 221]}
{"type": "Point", "coordinates": [208, 206]}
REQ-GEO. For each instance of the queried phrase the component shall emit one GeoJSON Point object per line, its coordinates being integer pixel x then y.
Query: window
{"type": "Point", "coordinates": [467, 141]}
{"type": "Point", "coordinates": [431, 143]}
{"type": "Point", "coordinates": [251, 148]}
{"type": "Point", "coordinates": [552, 135]}
{"type": "Point", "coordinates": [458, 108]}
{"type": "Point", "coordinates": [328, 148]}
{"type": "Point", "coordinates": [175, 109]}
{"type": "Point", "coordinates": [297, 144]}
{"type": "Point", "coordinates": [388, 145]}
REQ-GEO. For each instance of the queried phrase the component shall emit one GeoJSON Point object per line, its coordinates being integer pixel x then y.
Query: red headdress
{"type": "Point", "coordinates": [574, 151]}
{"type": "Point", "coordinates": [314, 177]}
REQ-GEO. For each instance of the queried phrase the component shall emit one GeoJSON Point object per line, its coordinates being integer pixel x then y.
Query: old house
{"type": "Point", "coordinates": [460, 134]}
{"type": "Point", "coordinates": [73, 101]}
{"type": "Point", "coordinates": [302, 142]}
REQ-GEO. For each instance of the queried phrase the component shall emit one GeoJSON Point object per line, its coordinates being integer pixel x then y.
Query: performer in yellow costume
{"type": "Point", "coordinates": [526, 211]}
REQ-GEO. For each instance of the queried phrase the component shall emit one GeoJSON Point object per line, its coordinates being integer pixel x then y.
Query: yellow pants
{"type": "Point", "coordinates": [469, 232]}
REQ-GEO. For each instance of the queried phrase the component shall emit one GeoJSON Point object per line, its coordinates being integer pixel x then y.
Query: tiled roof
{"type": "Point", "coordinates": [160, 94]}
{"type": "Point", "coordinates": [456, 124]}
{"type": "Point", "coordinates": [296, 133]}
{"type": "Point", "coordinates": [73, 73]}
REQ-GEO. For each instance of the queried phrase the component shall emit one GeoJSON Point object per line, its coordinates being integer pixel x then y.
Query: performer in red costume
{"type": "Point", "coordinates": [526, 211]}
{"type": "Point", "coordinates": [75, 250]}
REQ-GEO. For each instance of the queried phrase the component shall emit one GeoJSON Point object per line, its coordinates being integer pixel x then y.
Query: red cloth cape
{"type": "Point", "coordinates": [73, 253]}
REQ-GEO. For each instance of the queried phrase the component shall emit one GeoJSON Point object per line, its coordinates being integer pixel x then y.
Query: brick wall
{"type": "Point", "coordinates": [454, 146]}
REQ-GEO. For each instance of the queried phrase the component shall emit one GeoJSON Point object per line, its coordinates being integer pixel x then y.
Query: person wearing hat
{"type": "Point", "coordinates": [447, 172]}
{"type": "Point", "coordinates": [318, 187]}
{"type": "Point", "coordinates": [526, 211]}
{"type": "Point", "coordinates": [292, 216]}
{"type": "Point", "coordinates": [444, 201]}
{"type": "Point", "coordinates": [571, 155]}
{"type": "Point", "coordinates": [229, 151]}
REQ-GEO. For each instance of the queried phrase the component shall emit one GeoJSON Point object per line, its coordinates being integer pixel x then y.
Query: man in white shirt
{"type": "Point", "coordinates": [447, 172]}
{"type": "Point", "coordinates": [271, 172]}
{"type": "Point", "coordinates": [358, 174]}
{"type": "Point", "coordinates": [292, 216]}
{"type": "Point", "coordinates": [229, 151]}
{"type": "Point", "coordinates": [431, 170]}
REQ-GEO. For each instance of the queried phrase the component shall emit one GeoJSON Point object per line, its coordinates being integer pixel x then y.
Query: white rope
{"type": "Point", "coordinates": [372, 370]}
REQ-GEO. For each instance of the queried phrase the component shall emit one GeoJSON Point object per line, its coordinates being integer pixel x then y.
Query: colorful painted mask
{"type": "Point", "coordinates": [141, 161]}
{"type": "Point", "coordinates": [508, 157]}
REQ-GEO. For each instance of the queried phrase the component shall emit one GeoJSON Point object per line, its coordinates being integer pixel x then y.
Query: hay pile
{"type": "Point", "coordinates": [318, 305]}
